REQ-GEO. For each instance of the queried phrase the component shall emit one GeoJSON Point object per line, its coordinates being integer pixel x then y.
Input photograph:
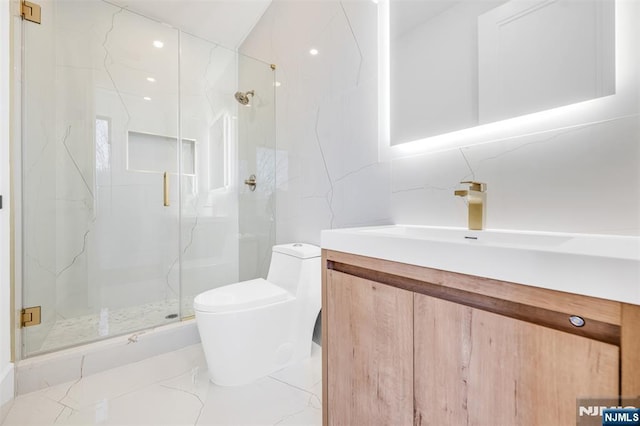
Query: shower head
{"type": "Point", "coordinates": [243, 97]}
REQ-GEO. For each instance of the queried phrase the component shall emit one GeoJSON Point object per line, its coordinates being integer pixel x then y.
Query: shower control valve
{"type": "Point", "coordinates": [251, 182]}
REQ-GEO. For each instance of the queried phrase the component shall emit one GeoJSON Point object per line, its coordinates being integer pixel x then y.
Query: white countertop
{"type": "Point", "coordinates": [604, 266]}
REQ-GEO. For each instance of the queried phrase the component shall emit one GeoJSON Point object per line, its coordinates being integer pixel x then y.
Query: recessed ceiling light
{"type": "Point", "coordinates": [158, 44]}
{"type": "Point", "coordinates": [375, 1]}
{"type": "Point", "coordinates": [314, 52]}
{"type": "Point", "coordinates": [277, 84]}
{"type": "Point", "coordinates": [151, 79]}
{"type": "Point", "coordinates": [146, 98]}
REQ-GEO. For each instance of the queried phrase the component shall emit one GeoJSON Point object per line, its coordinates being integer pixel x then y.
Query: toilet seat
{"type": "Point", "coordinates": [240, 296]}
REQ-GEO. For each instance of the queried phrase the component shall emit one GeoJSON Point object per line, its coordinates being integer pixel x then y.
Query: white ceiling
{"type": "Point", "coordinates": [227, 22]}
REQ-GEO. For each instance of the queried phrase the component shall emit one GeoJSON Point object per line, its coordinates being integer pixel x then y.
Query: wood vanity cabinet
{"type": "Point", "coordinates": [371, 325]}
{"type": "Point", "coordinates": [407, 345]}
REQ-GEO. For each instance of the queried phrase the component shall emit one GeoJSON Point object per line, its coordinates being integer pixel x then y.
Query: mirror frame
{"type": "Point", "coordinates": [622, 104]}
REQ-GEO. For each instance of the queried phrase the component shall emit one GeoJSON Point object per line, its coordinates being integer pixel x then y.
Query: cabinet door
{"type": "Point", "coordinates": [370, 352]}
{"type": "Point", "coordinates": [478, 368]}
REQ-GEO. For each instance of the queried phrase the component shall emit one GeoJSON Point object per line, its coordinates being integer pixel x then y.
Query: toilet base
{"type": "Point", "coordinates": [243, 346]}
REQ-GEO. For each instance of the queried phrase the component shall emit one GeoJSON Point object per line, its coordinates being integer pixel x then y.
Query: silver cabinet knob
{"type": "Point", "coordinates": [576, 321]}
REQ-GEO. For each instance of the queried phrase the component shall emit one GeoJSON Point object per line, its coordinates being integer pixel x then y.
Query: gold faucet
{"type": "Point", "coordinates": [477, 201]}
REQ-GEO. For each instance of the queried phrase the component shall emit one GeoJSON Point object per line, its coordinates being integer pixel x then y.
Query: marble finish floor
{"type": "Point", "coordinates": [173, 389]}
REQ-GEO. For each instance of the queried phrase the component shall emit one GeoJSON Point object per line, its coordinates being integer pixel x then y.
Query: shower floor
{"type": "Point", "coordinates": [109, 322]}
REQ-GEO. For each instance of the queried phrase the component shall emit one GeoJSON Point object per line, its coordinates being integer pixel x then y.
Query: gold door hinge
{"type": "Point", "coordinates": [30, 316]}
{"type": "Point", "coordinates": [31, 12]}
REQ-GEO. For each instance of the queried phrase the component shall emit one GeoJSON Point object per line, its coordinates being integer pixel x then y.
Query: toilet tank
{"type": "Point", "coordinates": [295, 267]}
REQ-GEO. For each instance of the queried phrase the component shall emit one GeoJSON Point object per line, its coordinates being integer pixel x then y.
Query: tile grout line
{"type": "Point", "coordinates": [296, 387]}
{"type": "Point", "coordinates": [202, 404]}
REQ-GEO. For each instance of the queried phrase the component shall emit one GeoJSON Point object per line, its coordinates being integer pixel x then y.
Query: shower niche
{"type": "Point", "coordinates": [148, 153]}
{"type": "Point", "coordinates": [122, 225]}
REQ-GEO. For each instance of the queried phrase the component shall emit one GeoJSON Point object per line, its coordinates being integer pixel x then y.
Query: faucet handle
{"type": "Point", "coordinates": [476, 186]}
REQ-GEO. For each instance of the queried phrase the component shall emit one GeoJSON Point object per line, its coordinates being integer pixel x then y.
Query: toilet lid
{"type": "Point", "coordinates": [239, 296]}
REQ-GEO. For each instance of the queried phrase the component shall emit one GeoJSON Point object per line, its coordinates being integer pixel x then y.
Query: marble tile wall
{"type": "Point", "coordinates": [328, 175]}
{"type": "Point", "coordinates": [581, 180]}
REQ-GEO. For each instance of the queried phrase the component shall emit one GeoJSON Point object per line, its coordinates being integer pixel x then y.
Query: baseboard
{"type": "Point", "coordinates": [7, 390]}
{"type": "Point", "coordinates": [71, 364]}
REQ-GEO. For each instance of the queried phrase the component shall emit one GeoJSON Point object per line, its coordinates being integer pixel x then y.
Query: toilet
{"type": "Point", "coordinates": [253, 328]}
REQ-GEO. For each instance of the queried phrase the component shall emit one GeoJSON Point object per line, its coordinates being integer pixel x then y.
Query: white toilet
{"type": "Point", "coordinates": [253, 328]}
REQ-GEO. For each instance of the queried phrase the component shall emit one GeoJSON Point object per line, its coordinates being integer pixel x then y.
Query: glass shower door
{"type": "Point", "coordinates": [228, 227]}
{"type": "Point", "coordinates": [101, 167]}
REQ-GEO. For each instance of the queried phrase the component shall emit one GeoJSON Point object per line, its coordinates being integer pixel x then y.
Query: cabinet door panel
{"type": "Point", "coordinates": [478, 368]}
{"type": "Point", "coordinates": [370, 352]}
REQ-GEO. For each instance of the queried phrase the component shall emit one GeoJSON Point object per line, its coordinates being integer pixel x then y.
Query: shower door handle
{"type": "Point", "coordinates": [165, 184]}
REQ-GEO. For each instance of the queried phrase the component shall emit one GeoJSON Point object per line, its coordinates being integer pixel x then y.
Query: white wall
{"type": "Point", "coordinates": [6, 367]}
{"type": "Point", "coordinates": [328, 175]}
{"type": "Point", "coordinates": [581, 180]}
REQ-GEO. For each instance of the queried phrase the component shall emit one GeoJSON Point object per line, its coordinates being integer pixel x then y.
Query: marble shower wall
{"type": "Point", "coordinates": [328, 175]}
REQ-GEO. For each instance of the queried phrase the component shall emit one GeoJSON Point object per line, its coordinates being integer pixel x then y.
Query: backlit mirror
{"type": "Point", "coordinates": [459, 64]}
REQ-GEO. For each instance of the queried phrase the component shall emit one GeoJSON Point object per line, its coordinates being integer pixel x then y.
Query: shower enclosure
{"type": "Point", "coordinates": [134, 156]}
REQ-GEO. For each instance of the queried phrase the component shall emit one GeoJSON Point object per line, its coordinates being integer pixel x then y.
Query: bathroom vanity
{"type": "Point", "coordinates": [409, 339]}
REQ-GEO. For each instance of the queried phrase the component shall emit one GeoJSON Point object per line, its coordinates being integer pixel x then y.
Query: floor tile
{"type": "Point", "coordinates": [152, 405]}
{"type": "Point", "coordinates": [119, 381]}
{"type": "Point", "coordinates": [306, 417]}
{"type": "Point", "coordinates": [33, 410]}
{"type": "Point", "coordinates": [306, 374]}
{"type": "Point", "coordinates": [174, 389]}
{"type": "Point", "coordinates": [264, 402]}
